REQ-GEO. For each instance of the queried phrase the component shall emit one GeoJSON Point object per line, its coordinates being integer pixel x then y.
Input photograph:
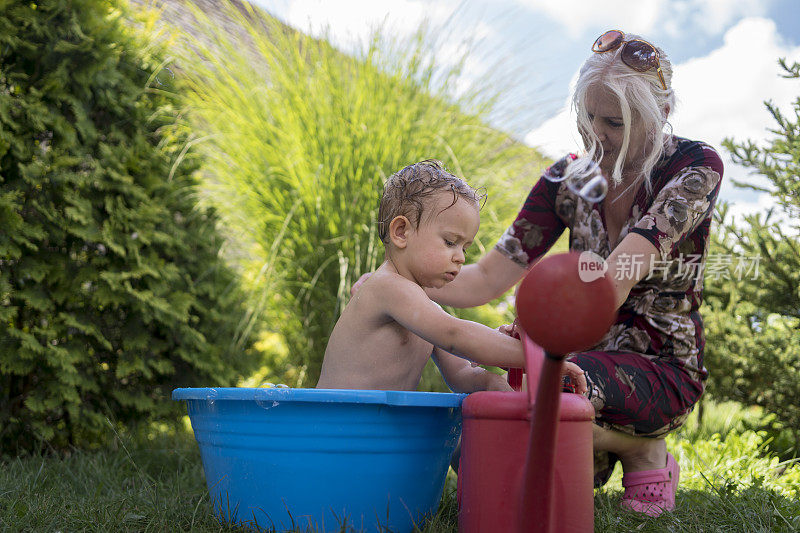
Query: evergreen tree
{"type": "Point", "coordinates": [112, 289]}
{"type": "Point", "coordinates": [753, 318]}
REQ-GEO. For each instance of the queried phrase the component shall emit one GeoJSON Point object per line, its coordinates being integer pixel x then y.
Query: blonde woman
{"type": "Point", "coordinates": [652, 229]}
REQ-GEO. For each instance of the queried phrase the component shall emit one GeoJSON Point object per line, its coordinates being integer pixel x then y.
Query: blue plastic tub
{"type": "Point", "coordinates": [318, 459]}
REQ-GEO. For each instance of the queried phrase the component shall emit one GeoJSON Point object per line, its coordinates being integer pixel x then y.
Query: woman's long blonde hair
{"type": "Point", "coordinates": [640, 96]}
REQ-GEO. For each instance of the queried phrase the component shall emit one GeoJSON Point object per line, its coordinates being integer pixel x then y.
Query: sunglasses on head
{"type": "Point", "coordinates": [639, 55]}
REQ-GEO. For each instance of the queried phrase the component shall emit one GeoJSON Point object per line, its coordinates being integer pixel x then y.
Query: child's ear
{"type": "Point", "coordinates": [399, 229]}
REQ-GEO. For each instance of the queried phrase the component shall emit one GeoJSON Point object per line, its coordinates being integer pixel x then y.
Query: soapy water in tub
{"type": "Point", "coordinates": [269, 404]}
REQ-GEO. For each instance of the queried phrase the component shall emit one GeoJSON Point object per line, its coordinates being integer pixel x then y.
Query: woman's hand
{"type": "Point", "coordinates": [511, 330]}
{"type": "Point", "coordinates": [577, 379]}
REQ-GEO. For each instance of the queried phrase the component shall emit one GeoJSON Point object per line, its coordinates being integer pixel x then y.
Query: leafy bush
{"type": "Point", "coordinates": [753, 323]}
{"type": "Point", "coordinates": [720, 462]}
{"type": "Point", "coordinates": [730, 480]}
{"type": "Point", "coordinates": [111, 284]}
{"type": "Point", "coordinates": [299, 139]}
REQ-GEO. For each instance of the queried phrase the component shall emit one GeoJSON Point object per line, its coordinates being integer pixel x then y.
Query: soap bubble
{"type": "Point", "coordinates": [585, 179]}
{"type": "Point", "coordinates": [557, 172]}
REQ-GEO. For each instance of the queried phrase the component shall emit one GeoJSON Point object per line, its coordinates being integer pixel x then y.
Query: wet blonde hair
{"type": "Point", "coordinates": [640, 97]}
{"type": "Point", "coordinates": [407, 193]}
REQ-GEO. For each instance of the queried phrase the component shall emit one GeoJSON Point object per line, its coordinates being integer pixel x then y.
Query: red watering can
{"type": "Point", "coordinates": [526, 459]}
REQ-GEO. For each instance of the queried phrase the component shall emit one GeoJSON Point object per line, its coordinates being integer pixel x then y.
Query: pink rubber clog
{"type": "Point", "coordinates": [651, 492]}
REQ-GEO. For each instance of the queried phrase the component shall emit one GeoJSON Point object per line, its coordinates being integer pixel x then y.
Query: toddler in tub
{"type": "Point", "coordinates": [427, 219]}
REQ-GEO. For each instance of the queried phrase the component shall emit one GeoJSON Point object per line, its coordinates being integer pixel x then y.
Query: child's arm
{"type": "Point", "coordinates": [407, 304]}
{"type": "Point", "coordinates": [461, 376]}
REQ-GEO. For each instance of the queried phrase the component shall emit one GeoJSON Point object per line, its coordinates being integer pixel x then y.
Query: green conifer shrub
{"type": "Point", "coordinates": [753, 316]}
{"type": "Point", "coordinates": [112, 287]}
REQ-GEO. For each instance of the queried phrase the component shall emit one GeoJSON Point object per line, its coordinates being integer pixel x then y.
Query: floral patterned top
{"type": "Point", "coordinates": [660, 318]}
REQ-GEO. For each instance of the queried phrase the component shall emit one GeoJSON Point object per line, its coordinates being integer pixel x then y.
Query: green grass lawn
{"type": "Point", "coordinates": [156, 483]}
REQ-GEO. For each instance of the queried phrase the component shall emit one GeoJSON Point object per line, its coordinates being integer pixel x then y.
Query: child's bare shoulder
{"type": "Point", "coordinates": [385, 294]}
{"type": "Point", "coordinates": [385, 283]}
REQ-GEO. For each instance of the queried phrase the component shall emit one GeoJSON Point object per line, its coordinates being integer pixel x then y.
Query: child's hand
{"type": "Point", "coordinates": [497, 382]}
{"type": "Point", "coordinates": [577, 379]}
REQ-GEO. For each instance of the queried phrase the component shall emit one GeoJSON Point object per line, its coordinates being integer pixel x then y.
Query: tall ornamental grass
{"type": "Point", "coordinates": [299, 138]}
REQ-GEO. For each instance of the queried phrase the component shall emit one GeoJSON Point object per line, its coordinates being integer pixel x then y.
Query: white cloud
{"type": "Point", "coordinates": [578, 16]}
{"type": "Point", "coordinates": [716, 15]}
{"type": "Point", "coordinates": [353, 22]}
{"type": "Point", "coordinates": [558, 134]}
{"type": "Point", "coordinates": [720, 95]}
{"type": "Point", "coordinates": [708, 16]}
{"type": "Point", "coordinates": [761, 203]}
{"type": "Point", "coordinates": [648, 16]}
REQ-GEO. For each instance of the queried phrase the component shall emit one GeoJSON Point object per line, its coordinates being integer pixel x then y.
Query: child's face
{"type": "Point", "coordinates": [436, 249]}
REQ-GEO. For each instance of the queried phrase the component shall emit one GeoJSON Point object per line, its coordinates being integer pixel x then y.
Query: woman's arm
{"type": "Point", "coordinates": [530, 236]}
{"type": "Point", "coordinates": [692, 195]}
{"type": "Point", "coordinates": [481, 282]}
{"type": "Point", "coordinates": [629, 263]}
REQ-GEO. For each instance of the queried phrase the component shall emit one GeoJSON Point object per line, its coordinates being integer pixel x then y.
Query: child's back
{"type": "Point", "coordinates": [368, 349]}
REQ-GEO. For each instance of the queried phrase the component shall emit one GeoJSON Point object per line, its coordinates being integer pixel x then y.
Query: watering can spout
{"type": "Point", "coordinates": [537, 490]}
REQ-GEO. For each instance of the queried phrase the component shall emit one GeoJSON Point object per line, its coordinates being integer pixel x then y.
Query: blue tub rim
{"type": "Point", "coordinates": [355, 396]}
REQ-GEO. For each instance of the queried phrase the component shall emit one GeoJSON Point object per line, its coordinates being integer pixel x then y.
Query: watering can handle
{"type": "Point", "coordinates": [534, 356]}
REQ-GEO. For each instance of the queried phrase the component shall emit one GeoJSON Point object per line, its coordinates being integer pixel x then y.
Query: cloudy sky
{"type": "Point", "coordinates": [724, 55]}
